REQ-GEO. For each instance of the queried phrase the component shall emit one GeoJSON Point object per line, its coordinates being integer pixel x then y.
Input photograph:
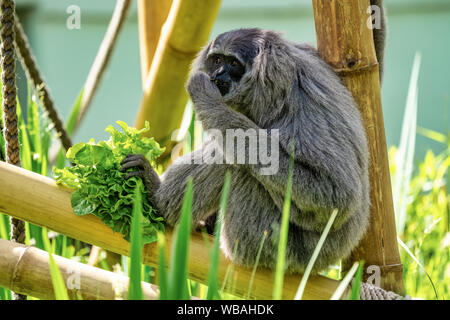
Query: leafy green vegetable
{"type": "Point", "coordinates": [101, 189]}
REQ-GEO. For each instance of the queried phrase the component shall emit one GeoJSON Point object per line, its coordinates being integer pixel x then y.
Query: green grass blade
{"type": "Point", "coordinates": [433, 135]}
{"type": "Point", "coordinates": [34, 130]}
{"type": "Point", "coordinates": [27, 233]}
{"type": "Point", "coordinates": [58, 282]}
{"type": "Point", "coordinates": [178, 286]}
{"type": "Point", "coordinates": [70, 126]}
{"type": "Point", "coordinates": [323, 236]}
{"type": "Point", "coordinates": [258, 255]}
{"type": "Point", "coordinates": [162, 269]}
{"type": "Point", "coordinates": [64, 247]}
{"type": "Point", "coordinates": [135, 287]}
{"type": "Point", "coordinates": [74, 112]}
{"type": "Point", "coordinates": [405, 247]}
{"type": "Point", "coordinates": [3, 294]}
{"type": "Point", "coordinates": [25, 148]}
{"type": "Point", "coordinates": [357, 283]}
{"type": "Point", "coordinates": [344, 283]}
{"type": "Point", "coordinates": [284, 229]}
{"type": "Point", "coordinates": [405, 155]}
{"type": "Point", "coordinates": [3, 227]}
{"type": "Point", "coordinates": [37, 234]}
{"type": "Point", "coordinates": [213, 284]}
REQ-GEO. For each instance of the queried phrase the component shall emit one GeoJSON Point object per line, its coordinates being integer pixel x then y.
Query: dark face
{"type": "Point", "coordinates": [224, 70]}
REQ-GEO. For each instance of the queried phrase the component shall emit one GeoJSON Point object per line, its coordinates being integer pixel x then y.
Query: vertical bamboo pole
{"type": "Point", "coordinates": [151, 18]}
{"type": "Point", "coordinates": [187, 29]}
{"type": "Point", "coordinates": [345, 41]}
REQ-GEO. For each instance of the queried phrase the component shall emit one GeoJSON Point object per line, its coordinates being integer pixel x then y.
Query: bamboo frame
{"type": "Point", "coordinates": [151, 18]}
{"type": "Point", "coordinates": [26, 270]}
{"type": "Point", "coordinates": [187, 29]}
{"type": "Point", "coordinates": [29, 196]}
{"type": "Point", "coordinates": [346, 43]}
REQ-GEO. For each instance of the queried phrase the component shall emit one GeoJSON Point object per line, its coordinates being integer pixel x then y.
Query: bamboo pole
{"type": "Point", "coordinates": [346, 43]}
{"type": "Point", "coordinates": [37, 199]}
{"type": "Point", "coordinates": [25, 270]}
{"type": "Point", "coordinates": [151, 18]}
{"type": "Point", "coordinates": [187, 29]}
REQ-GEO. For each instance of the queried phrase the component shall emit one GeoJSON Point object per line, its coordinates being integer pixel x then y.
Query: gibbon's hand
{"type": "Point", "coordinates": [203, 91]}
{"type": "Point", "coordinates": [144, 170]}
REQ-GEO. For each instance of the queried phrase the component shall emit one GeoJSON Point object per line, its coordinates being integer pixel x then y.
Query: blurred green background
{"type": "Point", "coordinates": [65, 56]}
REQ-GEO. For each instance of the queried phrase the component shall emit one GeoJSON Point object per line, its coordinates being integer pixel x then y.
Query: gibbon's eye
{"type": "Point", "coordinates": [235, 63]}
{"type": "Point", "coordinates": [217, 60]}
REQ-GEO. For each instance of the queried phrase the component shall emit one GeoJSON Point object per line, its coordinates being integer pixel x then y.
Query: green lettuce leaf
{"type": "Point", "coordinates": [100, 187]}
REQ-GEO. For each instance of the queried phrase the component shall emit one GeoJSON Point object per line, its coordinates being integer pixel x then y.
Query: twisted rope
{"type": "Point", "coordinates": [30, 66]}
{"type": "Point", "coordinates": [371, 292]}
{"type": "Point", "coordinates": [9, 105]}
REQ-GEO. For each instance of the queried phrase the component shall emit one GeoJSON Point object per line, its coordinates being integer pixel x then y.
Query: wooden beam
{"type": "Point", "coordinates": [26, 270]}
{"type": "Point", "coordinates": [37, 199]}
{"type": "Point", "coordinates": [346, 43]}
{"type": "Point", "coordinates": [186, 30]}
{"type": "Point", "coordinates": [151, 18]}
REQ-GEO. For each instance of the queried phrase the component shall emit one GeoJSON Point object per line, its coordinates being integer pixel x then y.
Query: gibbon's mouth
{"type": "Point", "coordinates": [224, 87]}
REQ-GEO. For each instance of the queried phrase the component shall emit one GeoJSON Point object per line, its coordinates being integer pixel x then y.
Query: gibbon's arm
{"type": "Point", "coordinates": [207, 181]}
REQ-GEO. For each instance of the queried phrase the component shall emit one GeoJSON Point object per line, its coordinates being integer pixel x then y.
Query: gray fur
{"type": "Point", "coordinates": [379, 35]}
{"type": "Point", "coordinates": [287, 86]}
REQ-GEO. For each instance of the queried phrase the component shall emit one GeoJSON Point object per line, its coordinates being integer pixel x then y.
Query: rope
{"type": "Point", "coordinates": [9, 105]}
{"type": "Point", "coordinates": [29, 64]}
{"type": "Point", "coordinates": [371, 292]}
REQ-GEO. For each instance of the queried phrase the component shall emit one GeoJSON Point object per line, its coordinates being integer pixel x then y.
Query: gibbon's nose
{"type": "Point", "coordinates": [221, 77]}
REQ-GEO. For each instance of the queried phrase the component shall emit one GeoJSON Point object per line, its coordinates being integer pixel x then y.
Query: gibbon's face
{"type": "Point", "coordinates": [225, 69]}
{"type": "Point", "coordinates": [230, 56]}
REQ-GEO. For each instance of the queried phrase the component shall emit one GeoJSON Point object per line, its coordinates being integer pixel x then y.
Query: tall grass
{"type": "Point", "coordinates": [135, 274]}
{"type": "Point", "coordinates": [284, 229]}
{"type": "Point", "coordinates": [178, 287]}
{"type": "Point", "coordinates": [405, 155]}
{"type": "Point", "coordinates": [421, 203]}
{"type": "Point", "coordinates": [213, 282]}
{"type": "Point", "coordinates": [59, 286]}
{"type": "Point", "coordinates": [36, 136]}
{"type": "Point", "coordinates": [323, 236]}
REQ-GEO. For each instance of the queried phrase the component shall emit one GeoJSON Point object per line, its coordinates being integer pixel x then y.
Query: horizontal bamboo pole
{"type": "Point", "coordinates": [25, 270]}
{"type": "Point", "coordinates": [186, 30]}
{"type": "Point", "coordinates": [29, 196]}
